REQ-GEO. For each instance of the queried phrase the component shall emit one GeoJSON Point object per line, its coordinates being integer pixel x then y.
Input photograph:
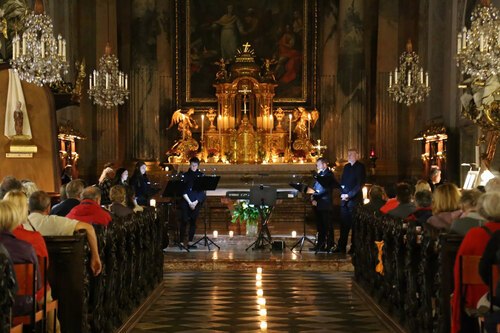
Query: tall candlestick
{"type": "Point", "coordinates": [202, 125]}
{"type": "Point", "coordinates": [426, 79]}
{"type": "Point", "coordinates": [409, 78]}
{"type": "Point", "coordinates": [290, 127]}
{"type": "Point", "coordinates": [309, 126]}
{"type": "Point", "coordinates": [390, 79]}
{"type": "Point", "coordinates": [396, 76]}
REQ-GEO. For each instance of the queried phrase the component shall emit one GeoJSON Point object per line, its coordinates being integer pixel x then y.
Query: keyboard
{"type": "Point", "coordinates": [286, 194]}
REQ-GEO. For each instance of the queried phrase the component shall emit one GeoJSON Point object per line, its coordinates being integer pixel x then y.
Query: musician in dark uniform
{"type": "Point", "coordinates": [351, 183]}
{"type": "Point", "coordinates": [191, 202]}
{"type": "Point", "coordinates": [321, 199]}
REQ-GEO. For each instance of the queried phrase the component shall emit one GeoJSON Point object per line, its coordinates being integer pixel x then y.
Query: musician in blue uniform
{"type": "Point", "coordinates": [321, 199]}
{"type": "Point", "coordinates": [351, 183]}
{"type": "Point", "coordinates": [191, 203]}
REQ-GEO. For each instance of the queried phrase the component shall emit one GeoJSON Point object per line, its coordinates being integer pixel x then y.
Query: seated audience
{"type": "Point", "coordinates": [20, 251]}
{"type": "Point", "coordinates": [445, 206]}
{"type": "Point", "coordinates": [131, 202]}
{"type": "Point", "coordinates": [89, 210]}
{"type": "Point", "coordinates": [405, 206]}
{"type": "Point", "coordinates": [29, 187]}
{"type": "Point", "coordinates": [121, 177]}
{"type": "Point", "coordinates": [470, 217]}
{"type": "Point", "coordinates": [422, 185]}
{"type": "Point", "coordinates": [9, 183]}
{"type": "Point", "coordinates": [474, 243]}
{"type": "Point", "coordinates": [53, 225]}
{"type": "Point", "coordinates": [377, 198]}
{"type": "Point", "coordinates": [74, 191]}
{"type": "Point", "coordinates": [435, 178]}
{"type": "Point", "coordinates": [118, 206]}
{"type": "Point", "coordinates": [492, 185]}
{"type": "Point", "coordinates": [105, 183]}
{"type": "Point", "coordinates": [490, 261]}
{"type": "Point", "coordinates": [423, 200]}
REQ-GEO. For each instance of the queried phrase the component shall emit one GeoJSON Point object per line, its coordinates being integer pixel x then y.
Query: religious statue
{"type": "Point", "coordinates": [268, 73]}
{"type": "Point", "coordinates": [76, 95]}
{"type": "Point", "coordinates": [301, 116]}
{"type": "Point", "coordinates": [18, 119]}
{"type": "Point", "coordinates": [221, 75]}
{"type": "Point", "coordinates": [185, 122]}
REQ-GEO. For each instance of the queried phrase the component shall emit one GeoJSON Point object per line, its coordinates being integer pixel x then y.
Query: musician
{"type": "Point", "coordinates": [321, 199]}
{"type": "Point", "coordinates": [351, 183]}
{"type": "Point", "coordinates": [191, 203]}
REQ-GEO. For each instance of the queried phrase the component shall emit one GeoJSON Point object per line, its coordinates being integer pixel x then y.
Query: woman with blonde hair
{"type": "Point", "coordinates": [105, 183]}
{"type": "Point", "coordinates": [445, 206]}
{"type": "Point", "coordinates": [422, 185]}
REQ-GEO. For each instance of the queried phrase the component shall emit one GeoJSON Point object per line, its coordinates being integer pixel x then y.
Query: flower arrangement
{"type": "Point", "coordinates": [243, 212]}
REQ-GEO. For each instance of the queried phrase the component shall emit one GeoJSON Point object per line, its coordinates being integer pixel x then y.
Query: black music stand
{"type": "Point", "coordinates": [206, 183]}
{"type": "Point", "coordinates": [173, 190]}
{"type": "Point", "coordinates": [262, 196]}
{"type": "Point", "coordinates": [302, 188]}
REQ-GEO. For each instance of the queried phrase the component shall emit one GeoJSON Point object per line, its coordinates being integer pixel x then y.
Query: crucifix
{"type": "Point", "coordinates": [246, 47]}
{"type": "Point", "coordinates": [245, 91]}
{"type": "Point", "coordinates": [319, 147]}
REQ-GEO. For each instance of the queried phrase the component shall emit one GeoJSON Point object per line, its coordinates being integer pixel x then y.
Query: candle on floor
{"type": "Point", "coordinates": [152, 203]}
{"type": "Point", "coordinates": [261, 301]}
{"type": "Point", "coordinates": [216, 233]}
{"type": "Point", "coordinates": [231, 233]}
{"type": "Point", "coordinates": [294, 234]}
{"type": "Point", "coordinates": [258, 283]}
{"type": "Point", "coordinates": [263, 325]}
{"type": "Point", "coordinates": [258, 277]}
{"type": "Point", "coordinates": [263, 312]}
{"type": "Point", "coordinates": [260, 292]}
{"type": "Point", "coordinates": [259, 270]}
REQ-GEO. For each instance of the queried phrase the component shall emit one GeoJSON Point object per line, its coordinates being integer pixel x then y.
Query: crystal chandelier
{"type": "Point", "coordinates": [37, 56]}
{"type": "Point", "coordinates": [409, 86]}
{"type": "Point", "coordinates": [478, 49]}
{"type": "Point", "coordinates": [108, 86]}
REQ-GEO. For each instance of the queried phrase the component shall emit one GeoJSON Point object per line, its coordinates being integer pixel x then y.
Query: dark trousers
{"type": "Point", "coordinates": [345, 223]}
{"type": "Point", "coordinates": [324, 225]}
{"type": "Point", "coordinates": [189, 217]}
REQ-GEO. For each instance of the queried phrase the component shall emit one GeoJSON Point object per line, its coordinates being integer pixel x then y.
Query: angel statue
{"type": "Point", "coordinates": [185, 122]}
{"type": "Point", "coordinates": [221, 74]}
{"type": "Point", "coordinates": [303, 117]}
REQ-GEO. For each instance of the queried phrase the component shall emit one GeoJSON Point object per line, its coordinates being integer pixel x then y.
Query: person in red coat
{"type": "Point", "coordinates": [474, 243]}
{"type": "Point", "coordinates": [89, 209]}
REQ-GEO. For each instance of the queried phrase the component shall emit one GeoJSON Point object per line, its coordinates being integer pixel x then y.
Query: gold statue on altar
{"type": "Point", "coordinates": [245, 129]}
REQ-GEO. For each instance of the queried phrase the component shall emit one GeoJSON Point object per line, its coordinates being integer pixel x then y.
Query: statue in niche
{"type": "Point", "coordinates": [185, 122]}
{"type": "Point", "coordinates": [221, 75]}
{"type": "Point", "coordinates": [18, 119]}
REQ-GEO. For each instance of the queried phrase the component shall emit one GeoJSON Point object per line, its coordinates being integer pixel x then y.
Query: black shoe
{"type": "Point", "coordinates": [191, 247]}
{"type": "Point", "coordinates": [339, 250]}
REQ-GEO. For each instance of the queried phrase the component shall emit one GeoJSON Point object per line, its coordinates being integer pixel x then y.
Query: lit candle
{"type": "Point", "coordinates": [231, 233]}
{"type": "Point", "coordinates": [107, 80]}
{"type": "Point", "coordinates": [258, 284]}
{"type": "Point", "coordinates": [126, 82]}
{"type": "Point", "coordinates": [409, 78]}
{"type": "Point", "coordinates": [152, 203]}
{"type": "Point", "coordinates": [259, 270]}
{"type": "Point", "coordinates": [64, 50]}
{"type": "Point", "coordinates": [202, 125]}
{"type": "Point", "coordinates": [263, 312]}
{"type": "Point", "coordinates": [459, 43]}
{"type": "Point", "coordinates": [421, 76]}
{"type": "Point", "coordinates": [24, 43]}
{"type": "Point", "coordinates": [464, 38]}
{"type": "Point", "coordinates": [390, 79]}
{"type": "Point", "coordinates": [258, 277]}
{"type": "Point", "coordinates": [260, 292]}
{"type": "Point", "coordinates": [90, 81]}
{"type": "Point", "coordinates": [365, 192]}
{"type": "Point", "coordinates": [290, 127]}
{"type": "Point", "coordinates": [426, 79]}
{"type": "Point", "coordinates": [59, 45]}
{"type": "Point", "coordinates": [309, 126]}
{"type": "Point", "coordinates": [294, 234]}
{"type": "Point", "coordinates": [263, 325]}
{"type": "Point", "coordinates": [271, 125]}
{"type": "Point", "coordinates": [396, 76]}
{"type": "Point", "coordinates": [216, 233]}
{"type": "Point", "coordinates": [261, 301]}
{"type": "Point", "coordinates": [42, 46]}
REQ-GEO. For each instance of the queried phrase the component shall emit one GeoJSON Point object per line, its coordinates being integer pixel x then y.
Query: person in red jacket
{"type": "Point", "coordinates": [89, 210]}
{"type": "Point", "coordinates": [474, 243]}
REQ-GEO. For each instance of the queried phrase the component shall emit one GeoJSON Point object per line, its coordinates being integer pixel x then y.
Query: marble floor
{"type": "Point", "coordinates": [237, 301]}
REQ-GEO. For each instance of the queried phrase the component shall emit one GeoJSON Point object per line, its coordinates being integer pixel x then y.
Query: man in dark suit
{"type": "Point", "coordinates": [191, 203]}
{"type": "Point", "coordinates": [321, 199]}
{"type": "Point", "coordinates": [351, 183]}
{"type": "Point", "coordinates": [74, 190]}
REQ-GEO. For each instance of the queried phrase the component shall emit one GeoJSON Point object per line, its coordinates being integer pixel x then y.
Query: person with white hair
{"type": "Point", "coordinates": [493, 185]}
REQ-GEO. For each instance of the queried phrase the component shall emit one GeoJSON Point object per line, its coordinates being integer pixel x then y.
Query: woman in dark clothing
{"type": "Point", "coordinates": [121, 177]}
{"type": "Point", "coordinates": [141, 184]}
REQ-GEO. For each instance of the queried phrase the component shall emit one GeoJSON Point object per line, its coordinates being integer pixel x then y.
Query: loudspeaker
{"type": "Point", "coordinates": [278, 245]}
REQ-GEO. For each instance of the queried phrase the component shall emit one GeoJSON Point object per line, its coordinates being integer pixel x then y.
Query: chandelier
{"type": "Point", "coordinates": [478, 49]}
{"type": "Point", "coordinates": [37, 56]}
{"type": "Point", "coordinates": [108, 86]}
{"type": "Point", "coordinates": [408, 86]}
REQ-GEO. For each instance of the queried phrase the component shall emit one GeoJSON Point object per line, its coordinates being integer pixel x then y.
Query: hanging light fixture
{"type": "Point", "coordinates": [37, 56]}
{"type": "Point", "coordinates": [478, 49]}
{"type": "Point", "coordinates": [108, 87]}
{"type": "Point", "coordinates": [409, 85]}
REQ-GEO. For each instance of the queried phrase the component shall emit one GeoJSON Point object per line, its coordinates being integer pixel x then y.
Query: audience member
{"type": "Point", "coordinates": [490, 261]}
{"type": "Point", "coordinates": [118, 195]}
{"type": "Point", "coordinates": [53, 225]}
{"type": "Point", "coordinates": [434, 178]}
{"type": "Point", "coordinates": [391, 202]}
{"type": "Point", "coordinates": [141, 184]}
{"type": "Point", "coordinates": [492, 185]}
{"type": "Point", "coordinates": [445, 206]}
{"type": "Point", "coordinates": [121, 177]}
{"type": "Point", "coordinates": [405, 206]}
{"type": "Point", "coordinates": [62, 193]}
{"type": "Point", "coordinates": [9, 183]}
{"type": "Point", "coordinates": [73, 192]}
{"type": "Point", "coordinates": [423, 201]}
{"type": "Point", "coordinates": [29, 187]}
{"type": "Point", "coordinates": [474, 243]}
{"type": "Point", "coordinates": [130, 200]}
{"type": "Point", "coordinates": [422, 185]}
{"type": "Point", "coordinates": [377, 198]}
{"type": "Point", "coordinates": [89, 210]}
{"type": "Point", "coordinates": [105, 183]}
{"type": "Point", "coordinates": [470, 217]}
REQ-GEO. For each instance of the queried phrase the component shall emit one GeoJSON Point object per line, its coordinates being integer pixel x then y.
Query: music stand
{"type": "Point", "coordinates": [174, 189]}
{"type": "Point", "coordinates": [262, 196]}
{"type": "Point", "coordinates": [303, 188]}
{"type": "Point", "coordinates": [206, 183]}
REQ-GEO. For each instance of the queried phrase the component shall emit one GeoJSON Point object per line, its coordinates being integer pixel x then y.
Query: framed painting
{"type": "Point", "coordinates": [284, 31]}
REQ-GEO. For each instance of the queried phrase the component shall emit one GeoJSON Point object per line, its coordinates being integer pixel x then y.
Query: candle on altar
{"type": "Point", "coordinates": [220, 135]}
{"type": "Point", "coordinates": [290, 127]}
{"type": "Point", "coordinates": [309, 126]}
{"type": "Point", "coordinates": [202, 125]}
{"type": "Point", "coordinates": [271, 125]}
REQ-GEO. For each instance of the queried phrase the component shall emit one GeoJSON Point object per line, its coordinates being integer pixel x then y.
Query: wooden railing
{"type": "Point", "coordinates": [417, 278]}
{"type": "Point", "coordinates": [132, 266]}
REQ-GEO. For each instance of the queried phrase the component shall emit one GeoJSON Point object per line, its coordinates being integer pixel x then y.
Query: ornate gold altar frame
{"type": "Point", "coordinates": [195, 68]}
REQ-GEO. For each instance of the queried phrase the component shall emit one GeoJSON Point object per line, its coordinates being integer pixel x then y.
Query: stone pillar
{"type": "Point", "coordinates": [351, 80]}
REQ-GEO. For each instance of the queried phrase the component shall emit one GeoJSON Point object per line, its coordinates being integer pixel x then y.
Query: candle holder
{"type": "Point", "coordinates": [373, 160]}
{"type": "Point", "coordinates": [279, 114]}
{"type": "Point", "coordinates": [211, 117]}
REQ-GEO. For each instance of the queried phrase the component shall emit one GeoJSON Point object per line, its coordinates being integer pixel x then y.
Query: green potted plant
{"type": "Point", "coordinates": [245, 213]}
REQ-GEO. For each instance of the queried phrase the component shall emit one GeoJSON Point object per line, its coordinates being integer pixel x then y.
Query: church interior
{"type": "Point", "coordinates": [281, 166]}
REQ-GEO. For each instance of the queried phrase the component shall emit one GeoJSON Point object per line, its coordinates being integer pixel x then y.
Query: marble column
{"type": "Point", "coordinates": [351, 130]}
